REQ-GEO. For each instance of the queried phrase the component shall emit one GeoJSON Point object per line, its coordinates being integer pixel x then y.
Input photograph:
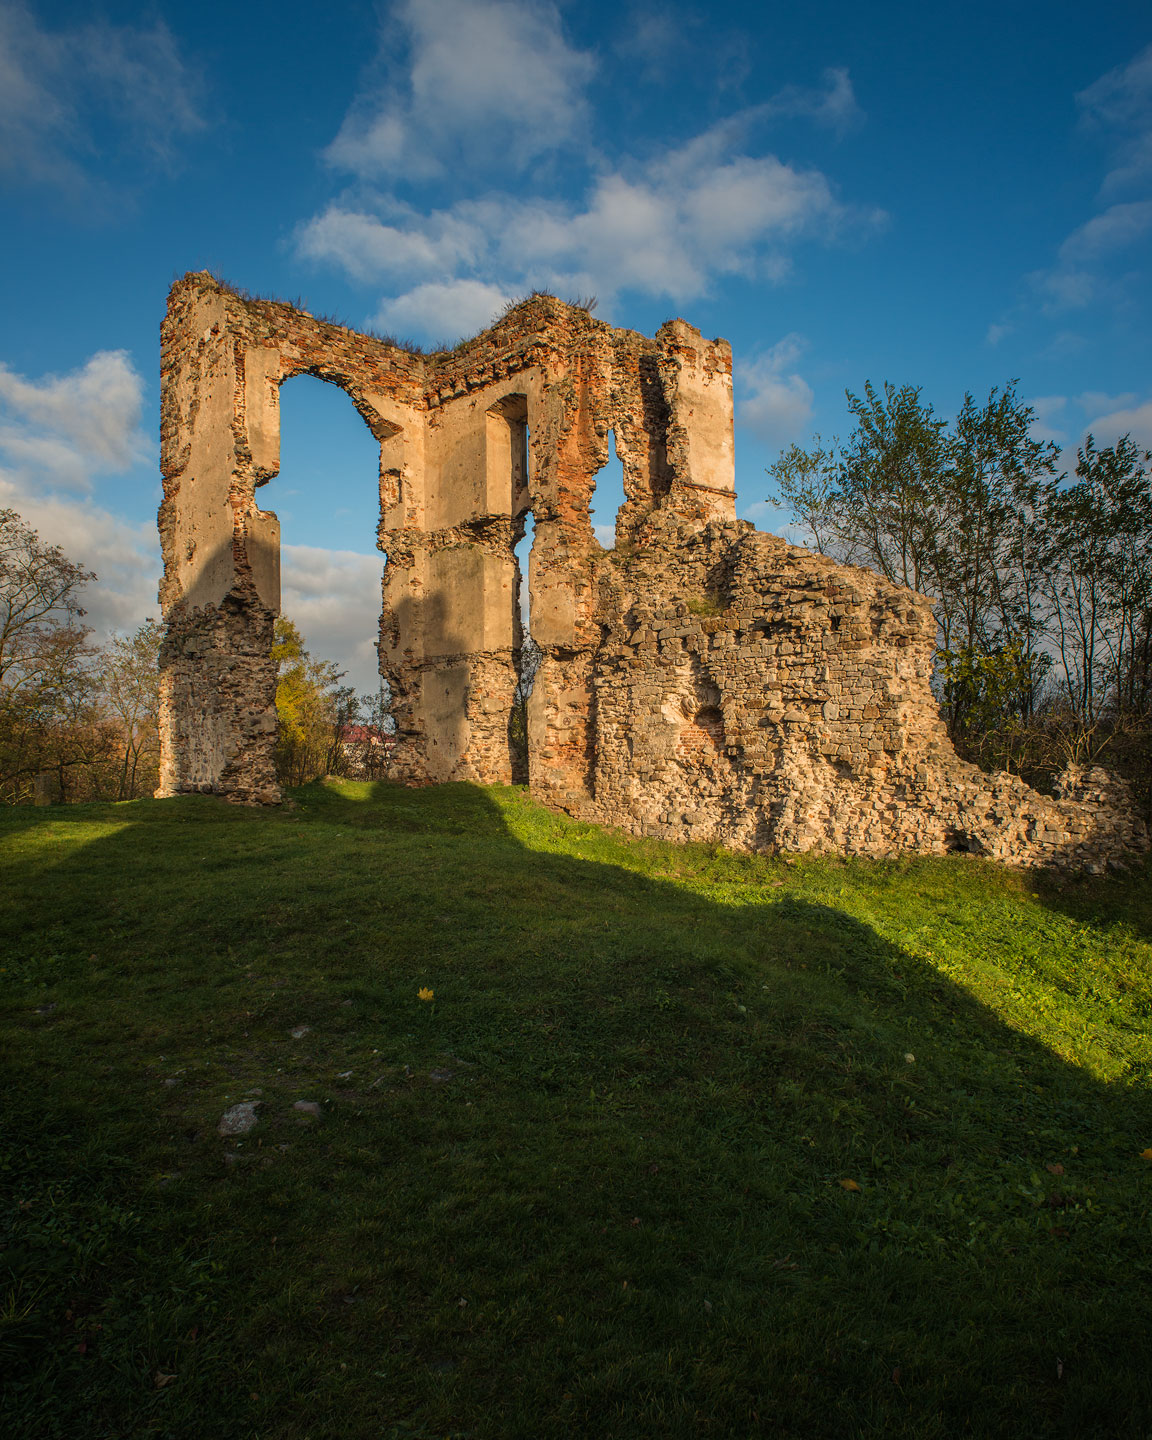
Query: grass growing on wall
{"type": "Point", "coordinates": [677, 1142]}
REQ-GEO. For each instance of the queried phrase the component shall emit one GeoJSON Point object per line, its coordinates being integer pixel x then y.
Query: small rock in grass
{"type": "Point", "coordinates": [440, 1075]}
{"type": "Point", "coordinates": [310, 1108]}
{"type": "Point", "coordinates": [300, 1031]}
{"type": "Point", "coordinates": [239, 1119]}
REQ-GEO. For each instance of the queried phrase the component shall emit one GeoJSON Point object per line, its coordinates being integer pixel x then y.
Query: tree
{"type": "Point", "coordinates": [1098, 585]}
{"type": "Point", "coordinates": [949, 511]}
{"type": "Point", "coordinates": [39, 607]}
{"type": "Point", "coordinates": [1042, 586]}
{"type": "Point", "coordinates": [130, 684]}
{"type": "Point", "coordinates": [992, 552]}
{"type": "Point", "coordinates": [530, 657]}
{"type": "Point", "coordinates": [807, 482]}
{"type": "Point", "coordinates": [46, 684]}
{"type": "Point", "coordinates": [312, 707]}
{"type": "Point", "coordinates": [891, 498]}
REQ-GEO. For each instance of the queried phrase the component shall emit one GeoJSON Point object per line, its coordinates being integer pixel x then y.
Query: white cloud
{"type": "Point", "coordinates": [1049, 409]}
{"type": "Point", "coordinates": [1063, 344]}
{"type": "Point", "coordinates": [124, 557]}
{"type": "Point", "coordinates": [996, 333]}
{"type": "Point", "coordinates": [57, 86]}
{"type": "Point", "coordinates": [492, 82]}
{"type": "Point", "coordinates": [1067, 420]}
{"type": "Point", "coordinates": [1082, 272]}
{"type": "Point", "coordinates": [654, 38]}
{"type": "Point", "coordinates": [1064, 289]}
{"type": "Point", "coordinates": [776, 402]}
{"type": "Point", "coordinates": [835, 105]}
{"type": "Point", "coordinates": [58, 435]}
{"type": "Point", "coordinates": [1115, 228]}
{"type": "Point", "coordinates": [62, 430]}
{"type": "Point", "coordinates": [478, 89]}
{"type": "Point", "coordinates": [1119, 105]}
{"type": "Point", "coordinates": [668, 228]}
{"type": "Point", "coordinates": [1099, 402]}
{"type": "Point", "coordinates": [444, 310]}
{"type": "Point", "coordinates": [334, 598]}
{"type": "Point", "coordinates": [368, 248]}
{"type": "Point", "coordinates": [70, 426]}
{"type": "Point", "coordinates": [1131, 419]}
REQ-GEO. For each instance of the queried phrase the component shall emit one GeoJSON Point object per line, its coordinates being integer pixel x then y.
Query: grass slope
{"type": "Point", "coordinates": [599, 1184]}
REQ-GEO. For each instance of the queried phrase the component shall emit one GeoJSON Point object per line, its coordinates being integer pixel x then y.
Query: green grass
{"type": "Point", "coordinates": [594, 1187]}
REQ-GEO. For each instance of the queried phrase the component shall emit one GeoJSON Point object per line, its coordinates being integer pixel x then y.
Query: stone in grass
{"type": "Point", "coordinates": [310, 1108]}
{"type": "Point", "coordinates": [239, 1119]}
{"type": "Point", "coordinates": [300, 1031]}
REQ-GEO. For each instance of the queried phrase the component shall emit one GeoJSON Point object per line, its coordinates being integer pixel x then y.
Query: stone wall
{"type": "Point", "coordinates": [701, 680]}
{"type": "Point", "coordinates": [757, 695]}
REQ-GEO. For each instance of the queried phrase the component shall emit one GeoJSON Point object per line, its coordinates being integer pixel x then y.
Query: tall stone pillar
{"type": "Point", "coordinates": [221, 587]}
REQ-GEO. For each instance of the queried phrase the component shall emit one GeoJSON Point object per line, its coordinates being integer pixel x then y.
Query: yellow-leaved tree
{"type": "Point", "coordinates": [312, 706]}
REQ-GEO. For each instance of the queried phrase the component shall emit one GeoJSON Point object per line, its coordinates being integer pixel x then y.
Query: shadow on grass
{"type": "Point", "coordinates": [646, 1163]}
{"type": "Point", "coordinates": [1106, 901]}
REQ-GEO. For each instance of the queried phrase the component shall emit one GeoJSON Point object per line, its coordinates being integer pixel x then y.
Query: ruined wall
{"type": "Point", "coordinates": [222, 362]}
{"type": "Point", "coordinates": [755, 694]}
{"type": "Point", "coordinates": [701, 680]}
{"type": "Point", "coordinates": [455, 488]}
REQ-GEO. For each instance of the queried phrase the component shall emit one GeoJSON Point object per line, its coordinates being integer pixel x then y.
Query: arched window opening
{"type": "Point", "coordinates": [608, 496]}
{"type": "Point", "coordinates": [508, 448]}
{"type": "Point", "coordinates": [328, 497]}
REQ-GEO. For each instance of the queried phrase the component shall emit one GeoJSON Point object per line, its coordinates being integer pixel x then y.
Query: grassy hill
{"type": "Point", "coordinates": [684, 1143]}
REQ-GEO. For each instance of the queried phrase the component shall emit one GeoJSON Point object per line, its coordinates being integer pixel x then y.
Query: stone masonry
{"type": "Point", "coordinates": [701, 680]}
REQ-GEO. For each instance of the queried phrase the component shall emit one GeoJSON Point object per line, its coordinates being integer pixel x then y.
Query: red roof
{"type": "Point", "coordinates": [365, 735]}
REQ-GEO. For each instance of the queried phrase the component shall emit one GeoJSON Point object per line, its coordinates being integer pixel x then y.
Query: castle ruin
{"type": "Point", "coordinates": [700, 681]}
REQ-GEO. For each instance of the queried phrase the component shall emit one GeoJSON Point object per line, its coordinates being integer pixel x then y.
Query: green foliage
{"type": "Point", "coordinates": [129, 678]}
{"type": "Point", "coordinates": [807, 484]}
{"type": "Point", "coordinates": [704, 605]}
{"type": "Point", "coordinates": [1042, 584]}
{"type": "Point", "coordinates": [988, 693]}
{"type": "Point", "coordinates": [312, 707]}
{"type": "Point", "coordinates": [595, 1188]}
{"type": "Point", "coordinates": [46, 687]}
{"type": "Point", "coordinates": [889, 482]}
{"type": "Point", "coordinates": [76, 722]}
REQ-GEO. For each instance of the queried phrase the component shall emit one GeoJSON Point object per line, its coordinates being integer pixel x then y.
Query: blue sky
{"type": "Point", "coordinates": [950, 196]}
